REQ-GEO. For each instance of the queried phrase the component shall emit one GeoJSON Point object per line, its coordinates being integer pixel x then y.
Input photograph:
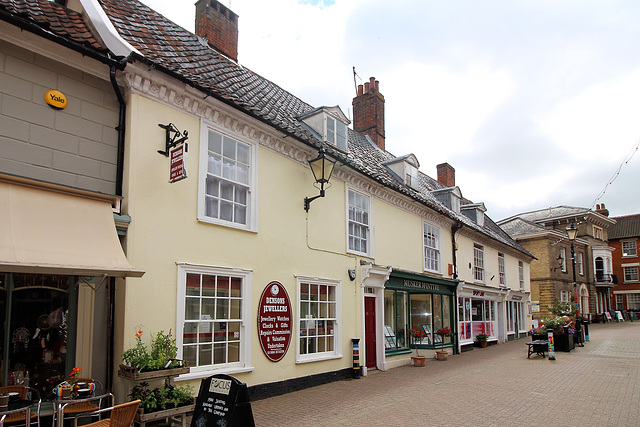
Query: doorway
{"type": "Point", "coordinates": [370, 331]}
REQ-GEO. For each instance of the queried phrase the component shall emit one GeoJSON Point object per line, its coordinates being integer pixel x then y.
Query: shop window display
{"type": "Point", "coordinates": [38, 310]}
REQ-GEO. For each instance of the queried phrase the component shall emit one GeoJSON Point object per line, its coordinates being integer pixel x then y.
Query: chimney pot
{"type": "Point", "coordinates": [368, 112]}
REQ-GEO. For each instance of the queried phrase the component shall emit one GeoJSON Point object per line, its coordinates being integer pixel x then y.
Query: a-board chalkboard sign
{"type": "Point", "coordinates": [223, 401]}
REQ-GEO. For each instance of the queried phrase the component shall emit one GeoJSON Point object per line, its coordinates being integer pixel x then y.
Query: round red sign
{"type": "Point", "coordinates": [274, 321]}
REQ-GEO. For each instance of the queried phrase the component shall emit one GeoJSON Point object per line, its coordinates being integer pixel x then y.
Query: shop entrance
{"type": "Point", "coordinates": [370, 331]}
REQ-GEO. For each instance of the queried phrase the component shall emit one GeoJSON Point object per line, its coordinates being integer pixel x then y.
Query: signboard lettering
{"type": "Point", "coordinates": [178, 163]}
{"type": "Point", "coordinates": [55, 99]}
{"type": "Point", "coordinates": [274, 321]}
{"type": "Point", "coordinates": [222, 401]}
{"type": "Point", "coordinates": [421, 285]}
{"type": "Point", "coordinates": [478, 293]}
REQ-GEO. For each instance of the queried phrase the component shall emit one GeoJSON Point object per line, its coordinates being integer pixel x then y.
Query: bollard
{"type": "Point", "coordinates": [357, 371]}
{"type": "Point", "coordinates": [552, 354]}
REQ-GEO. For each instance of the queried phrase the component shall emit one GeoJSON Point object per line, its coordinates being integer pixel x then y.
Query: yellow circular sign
{"type": "Point", "coordinates": [56, 99]}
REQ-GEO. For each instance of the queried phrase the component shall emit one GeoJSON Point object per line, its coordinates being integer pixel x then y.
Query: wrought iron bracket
{"type": "Point", "coordinates": [173, 137]}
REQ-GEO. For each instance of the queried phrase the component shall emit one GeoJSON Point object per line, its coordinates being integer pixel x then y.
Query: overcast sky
{"type": "Point", "coordinates": [534, 103]}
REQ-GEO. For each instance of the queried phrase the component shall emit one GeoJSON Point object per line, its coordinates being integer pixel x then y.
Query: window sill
{"type": "Point", "coordinates": [206, 374]}
{"type": "Point", "coordinates": [319, 358]}
{"type": "Point", "coordinates": [397, 352]}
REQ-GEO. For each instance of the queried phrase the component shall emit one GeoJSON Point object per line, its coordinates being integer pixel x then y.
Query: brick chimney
{"type": "Point", "coordinates": [219, 26]}
{"type": "Point", "coordinates": [368, 112]}
{"type": "Point", "coordinates": [602, 210]}
{"type": "Point", "coordinates": [446, 175]}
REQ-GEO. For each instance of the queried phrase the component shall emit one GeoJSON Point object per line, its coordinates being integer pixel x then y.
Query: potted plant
{"type": "Point", "coordinates": [443, 332]}
{"type": "Point", "coordinates": [482, 339]}
{"type": "Point", "coordinates": [162, 356]}
{"type": "Point", "coordinates": [161, 398]}
{"type": "Point", "coordinates": [417, 334]}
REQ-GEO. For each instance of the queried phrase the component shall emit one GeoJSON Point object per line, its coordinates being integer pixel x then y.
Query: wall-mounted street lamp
{"type": "Point", "coordinates": [322, 168]}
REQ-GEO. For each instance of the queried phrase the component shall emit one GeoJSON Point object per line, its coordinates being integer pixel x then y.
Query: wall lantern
{"type": "Point", "coordinates": [322, 167]}
{"type": "Point", "coordinates": [560, 260]}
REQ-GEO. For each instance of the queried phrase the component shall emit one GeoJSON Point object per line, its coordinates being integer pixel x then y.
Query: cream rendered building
{"type": "Point", "coordinates": [384, 251]}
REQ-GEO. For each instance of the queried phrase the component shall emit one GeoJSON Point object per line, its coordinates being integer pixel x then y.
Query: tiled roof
{"type": "Point", "coordinates": [543, 215]}
{"type": "Point", "coordinates": [180, 53]}
{"type": "Point", "coordinates": [518, 226]}
{"type": "Point", "coordinates": [625, 227]}
{"type": "Point", "coordinates": [53, 18]}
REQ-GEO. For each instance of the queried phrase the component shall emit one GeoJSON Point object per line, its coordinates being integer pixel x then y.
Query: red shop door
{"type": "Point", "coordinates": [370, 330]}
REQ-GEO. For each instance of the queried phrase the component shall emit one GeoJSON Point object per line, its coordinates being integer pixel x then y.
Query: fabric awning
{"type": "Point", "coordinates": [52, 232]}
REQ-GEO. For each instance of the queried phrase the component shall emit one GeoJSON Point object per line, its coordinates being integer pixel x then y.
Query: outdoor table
{"type": "Point", "coordinates": [538, 347]}
{"type": "Point", "coordinates": [60, 404]}
{"type": "Point", "coordinates": [17, 406]}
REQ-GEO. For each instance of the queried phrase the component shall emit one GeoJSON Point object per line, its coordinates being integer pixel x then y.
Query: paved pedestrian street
{"type": "Point", "coordinates": [594, 385]}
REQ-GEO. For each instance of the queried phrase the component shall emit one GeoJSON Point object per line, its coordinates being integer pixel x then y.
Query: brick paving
{"type": "Point", "coordinates": [594, 385]}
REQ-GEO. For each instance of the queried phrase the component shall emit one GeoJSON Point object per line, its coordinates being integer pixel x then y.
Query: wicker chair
{"type": "Point", "coordinates": [121, 416]}
{"type": "Point", "coordinates": [19, 417]}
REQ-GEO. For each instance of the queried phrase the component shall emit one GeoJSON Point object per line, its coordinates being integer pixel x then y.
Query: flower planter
{"type": "Point", "coordinates": [483, 344]}
{"type": "Point", "coordinates": [418, 360]}
{"type": "Point", "coordinates": [441, 355]}
{"type": "Point", "coordinates": [132, 373]}
{"type": "Point", "coordinates": [142, 417]}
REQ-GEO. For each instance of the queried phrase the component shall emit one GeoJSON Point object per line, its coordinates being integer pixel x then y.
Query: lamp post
{"type": "Point", "coordinates": [572, 232]}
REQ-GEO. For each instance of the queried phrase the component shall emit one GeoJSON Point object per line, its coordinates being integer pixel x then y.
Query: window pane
{"type": "Point", "coordinates": [222, 290]}
{"type": "Point", "coordinates": [208, 308]}
{"type": "Point", "coordinates": [229, 148]}
{"type": "Point", "coordinates": [235, 306]}
{"type": "Point", "coordinates": [244, 154]}
{"type": "Point", "coordinates": [229, 169]}
{"type": "Point", "coordinates": [193, 284]}
{"type": "Point", "coordinates": [204, 354]}
{"type": "Point", "coordinates": [215, 165]}
{"type": "Point", "coordinates": [243, 174]}
{"type": "Point", "coordinates": [190, 333]}
{"type": "Point", "coordinates": [189, 354]}
{"type": "Point", "coordinates": [215, 142]}
{"type": "Point", "coordinates": [211, 207]}
{"type": "Point", "coordinates": [208, 286]}
{"type": "Point", "coordinates": [240, 214]}
{"type": "Point", "coordinates": [192, 309]}
{"type": "Point", "coordinates": [226, 211]}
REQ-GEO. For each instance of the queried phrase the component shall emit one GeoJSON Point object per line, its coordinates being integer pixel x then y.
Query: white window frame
{"type": "Point", "coordinates": [337, 345]}
{"type": "Point", "coordinates": [563, 255]}
{"type": "Point", "coordinates": [411, 175]}
{"type": "Point", "coordinates": [369, 226]}
{"type": "Point", "coordinates": [633, 301]}
{"type": "Point", "coordinates": [502, 274]}
{"type": "Point", "coordinates": [252, 197]}
{"type": "Point", "coordinates": [631, 273]}
{"type": "Point", "coordinates": [478, 263]}
{"type": "Point", "coordinates": [435, 250]}
{"type": "Point", "coordinates": [565, 296]}
{"type": "Point", "coordinates": [580, 264]}
{"type": "Point", "coordinates": [332, 134]}
{"type": "Point", "coordinates": [598, 232]}
{"type": "Point", "coordinates": [521, 274]}
{"type": "Point", "coordinates": [632, 250]}
{"type": "Point", "coordinates": [244, 364]}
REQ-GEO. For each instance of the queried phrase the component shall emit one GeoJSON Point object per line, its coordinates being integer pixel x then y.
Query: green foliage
{"type": "Point", "coordinates": [482, 337]}
{"type": "Point", "coordinates": [553, 323]}
{"type": "Point", "coordinates": [163, 353]}
{"type": "Point", "coordinates": [559, 308]}
{"type": "Point", "coordinates": [137, 357]}
{"type": "Point", "coordinates": [161, 398]}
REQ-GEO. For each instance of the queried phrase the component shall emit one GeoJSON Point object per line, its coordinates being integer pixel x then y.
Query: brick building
{"type": "Point", "coordinates": [624, 237]}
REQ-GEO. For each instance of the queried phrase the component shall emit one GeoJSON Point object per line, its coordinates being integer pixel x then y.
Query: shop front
{"type": "Point", "coordinates": [58, 255]}
{"type": "Point", "coordinates": [417, 301]}
{"type": "Point", "coordinates": [480, 311]}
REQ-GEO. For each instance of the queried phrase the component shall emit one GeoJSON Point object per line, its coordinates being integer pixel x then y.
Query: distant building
{"type": "Point", "coordinates": [543, 233]}
{"type": "Point", "coordinates": [624, 237]}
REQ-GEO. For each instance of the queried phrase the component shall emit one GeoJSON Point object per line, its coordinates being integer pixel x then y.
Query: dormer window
{"type": "Point", "coordinates": [450, 197]}
{"type": "Point", "coordinates": [404, 169]}
{"type": "Point", "coordinates": [475, 212]}
{"type": "Point", "coordinates": [328, 124]}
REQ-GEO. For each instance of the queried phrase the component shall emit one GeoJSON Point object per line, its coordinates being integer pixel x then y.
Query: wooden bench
{"type": "Point", "coordinates": [538, 347]}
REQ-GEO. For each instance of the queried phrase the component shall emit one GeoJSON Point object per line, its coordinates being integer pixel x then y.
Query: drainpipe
{"type": "Point", "coordinates": [121, 126]}
{"type": "Point", "coordinates": [122, 110]}
{"type": "Point", "coordinates": [454, 229]}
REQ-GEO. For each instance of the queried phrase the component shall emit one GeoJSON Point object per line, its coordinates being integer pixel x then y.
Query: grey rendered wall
{"type": "Point", "coordinates": [76, 146]}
